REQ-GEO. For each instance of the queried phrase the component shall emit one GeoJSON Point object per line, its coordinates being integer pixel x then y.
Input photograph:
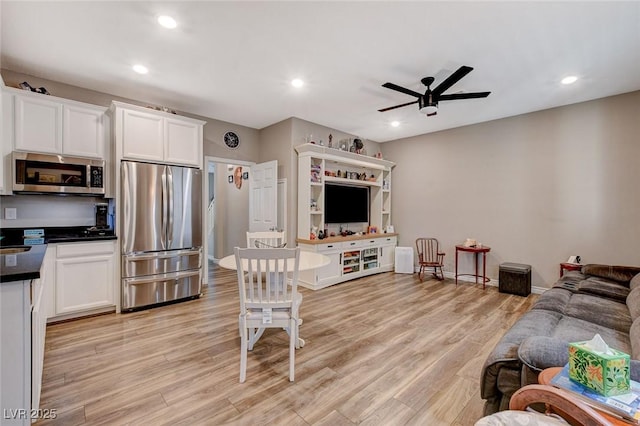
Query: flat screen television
{"type": "Point", "coordinates": [346, 203]}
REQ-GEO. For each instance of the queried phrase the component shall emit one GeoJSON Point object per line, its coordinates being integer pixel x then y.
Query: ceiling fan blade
{"type": "Point", "coordinates": [451, 80]}
{"type": "Point", "coordinates": [463, 96]}
{"type": "Point", "coordinates": [397, 106]}
{"type": "Point", "coordinates": [401, 89]}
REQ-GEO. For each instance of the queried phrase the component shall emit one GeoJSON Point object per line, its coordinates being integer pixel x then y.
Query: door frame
{"type": "Point", "coordinates": [205, 196]}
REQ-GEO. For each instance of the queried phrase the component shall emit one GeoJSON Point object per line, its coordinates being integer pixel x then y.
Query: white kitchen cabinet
{"type": "Point", "coordinates": [83, 131]}
{"type": "Point", "coordinates": [142, 135]}
{"type": "Point", "coordinates": [85, 277]}
{"type": "Point", "coordinates": [22, 330]}
{"type": "Point", "coordinates": [38, 124]}
{"type": "Point", "coordinates": [183, 142]}
{"type": "Point", "coordinates": [15, 351]}
{"type": "Point", "coordinates": [54, 125]}
{"type": "Point", "coordinates": [159, 137]}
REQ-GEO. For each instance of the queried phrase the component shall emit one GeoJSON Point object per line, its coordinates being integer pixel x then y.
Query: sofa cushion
{"type": "Point", "coordinates": [635, 282]}
{"type": "Point", "coordinates": [572, 329]}
{"type": "Point", "coordinates": [604, 288]}
{"type": "Point", "coordinates": [599, 311]}
{"type": "Point", "coordinates": [622, 274]}
{"type": "Point", "coordinates": [633, 303]}
{"type": "Point", "coordinates": [555, 300]}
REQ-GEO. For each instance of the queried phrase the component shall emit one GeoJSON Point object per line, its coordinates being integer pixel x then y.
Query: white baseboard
{"type": "Point", "coordinates": [493, 283]}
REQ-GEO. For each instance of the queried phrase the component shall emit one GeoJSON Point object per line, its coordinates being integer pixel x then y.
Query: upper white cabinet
{"type": "Point", "coordinates": [83, 131]}
{"type": "Point", "coordinates": [38, 124]}
{"type": "Point", "coordinates": [149, 135]}
{"type": "Point", "coordinates": [54, 125]}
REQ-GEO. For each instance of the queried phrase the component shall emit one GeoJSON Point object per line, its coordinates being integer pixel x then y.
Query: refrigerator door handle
{"type": "Point", "coordinates": [163, 255]}
{"type": "Point", "coordinates": [161, 277]}
{"type": "Point", "coordinates": [169, 207]}
{"type": "Point", "coordinates": [165, 200]}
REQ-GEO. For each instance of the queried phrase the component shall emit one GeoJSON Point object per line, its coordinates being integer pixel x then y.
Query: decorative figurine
{"type": "Point", "coordinates": [330, 140]}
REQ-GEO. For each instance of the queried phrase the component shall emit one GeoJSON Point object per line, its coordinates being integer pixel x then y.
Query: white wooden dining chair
{"type": "Point", "coordinates": [266, 239]}
{"type": "Point", "coordinates": [268, 287]}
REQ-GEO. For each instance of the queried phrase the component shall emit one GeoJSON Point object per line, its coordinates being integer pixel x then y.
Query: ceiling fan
{"type": "Point", "coordinates": [428, 103]}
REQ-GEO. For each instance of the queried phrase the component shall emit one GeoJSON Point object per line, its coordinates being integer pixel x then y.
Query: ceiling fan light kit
{"type": "Point", "coordinates": [428, 102]}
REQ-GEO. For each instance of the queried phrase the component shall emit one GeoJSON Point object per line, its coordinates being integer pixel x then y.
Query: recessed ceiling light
{"type": "Point", "coordinates": [140, 69]}
{"type": "Point", "coordinates": [296, 82]}
{"type": "Point", "coordinates": [167, 22]}
{"type": "Point", "coordinates": [569, 79]}
{"type": "Point", "coordinates": [395, 123]}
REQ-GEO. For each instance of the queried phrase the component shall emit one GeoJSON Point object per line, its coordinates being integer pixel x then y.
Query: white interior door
{"type": "Point", "coordinates": [263, 196]}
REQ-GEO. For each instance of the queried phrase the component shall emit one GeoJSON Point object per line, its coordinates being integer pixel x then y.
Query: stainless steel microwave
{"type": "Point", "coordinates": [47, 173]}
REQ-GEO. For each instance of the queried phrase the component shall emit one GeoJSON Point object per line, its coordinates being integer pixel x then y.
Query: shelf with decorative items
{"type": "Point", "coordinates": [319, 165]}
{"type": "Point", "coordinates": [357, 248]}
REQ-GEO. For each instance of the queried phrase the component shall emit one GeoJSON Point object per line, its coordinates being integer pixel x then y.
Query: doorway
{"type": "Point", "coordinates": [226, 212]}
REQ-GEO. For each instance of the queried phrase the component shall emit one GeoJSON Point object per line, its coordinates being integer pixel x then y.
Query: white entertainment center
{"type": "Point", "coordinates": [370, 249]}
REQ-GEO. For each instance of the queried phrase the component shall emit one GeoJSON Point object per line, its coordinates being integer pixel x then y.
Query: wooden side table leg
{"type": "Point", "coordinates": [475, 259]}
{"type": "Point", "coordinates": [456, 267]}
{"type": "Point", "coordinates": [484, 270]}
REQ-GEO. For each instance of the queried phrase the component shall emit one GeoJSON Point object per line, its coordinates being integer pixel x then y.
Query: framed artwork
{"type": "Point", "coordinates": [245, 175]}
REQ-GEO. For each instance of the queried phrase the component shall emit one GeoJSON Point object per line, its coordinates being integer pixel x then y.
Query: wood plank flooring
{"type": "Point", "coordinates": [381, 350]}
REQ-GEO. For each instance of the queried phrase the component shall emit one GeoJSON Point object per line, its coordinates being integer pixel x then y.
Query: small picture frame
{"type": "Point", "coordinates": [245, 175]}
{"type": "Point", "coordinates": [230, 179]}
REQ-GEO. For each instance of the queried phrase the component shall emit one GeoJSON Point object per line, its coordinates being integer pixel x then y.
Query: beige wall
{"type": "Point", "coordinates": [232, 211]}
{"type": "Point", "coordinates": [536, 188]}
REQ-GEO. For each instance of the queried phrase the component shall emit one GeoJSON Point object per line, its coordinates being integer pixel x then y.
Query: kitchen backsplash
{"type": "Point", "coordinates": [48, 210]}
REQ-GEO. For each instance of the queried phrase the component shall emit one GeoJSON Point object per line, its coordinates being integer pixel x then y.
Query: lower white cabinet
{"type": "Point", "coordinates": [23, 323]}
{"type": "Point", "coordinates": [84, 278]}
{"type": "Point", "coordinates": [387, 253]}
{"type": "Point", "coordinates": [350, 258]}
{"type": "Point", "coordinates": [15, 351]}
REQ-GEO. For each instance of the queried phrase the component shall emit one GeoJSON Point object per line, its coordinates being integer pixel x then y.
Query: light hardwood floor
{"type": "Point", "coordinates": [382, 350]}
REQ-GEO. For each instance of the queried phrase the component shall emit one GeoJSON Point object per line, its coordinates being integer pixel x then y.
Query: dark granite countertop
{"type": "Point", "coordinates": [22, 266]}
{"type": "Point", "coordinates": [26, 265]}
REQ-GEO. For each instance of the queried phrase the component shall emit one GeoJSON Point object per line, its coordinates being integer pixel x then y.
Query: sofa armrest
{"type": "Point", "coordinates": [539, 352]}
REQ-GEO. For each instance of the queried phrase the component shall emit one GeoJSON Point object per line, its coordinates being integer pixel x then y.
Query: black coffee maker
{"type": "Point", "coordinates": [102, 216]}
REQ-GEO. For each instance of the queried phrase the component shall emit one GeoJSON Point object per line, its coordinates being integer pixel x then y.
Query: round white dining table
{"type": "Point", "coordinates": [308, 260]}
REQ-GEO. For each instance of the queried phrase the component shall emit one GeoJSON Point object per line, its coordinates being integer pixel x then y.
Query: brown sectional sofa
{"type": "Point", "coordinates": [599, 299]}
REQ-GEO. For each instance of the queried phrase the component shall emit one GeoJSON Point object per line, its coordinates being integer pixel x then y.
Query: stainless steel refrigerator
{"type": "Point", "coordinates": [161, 238]}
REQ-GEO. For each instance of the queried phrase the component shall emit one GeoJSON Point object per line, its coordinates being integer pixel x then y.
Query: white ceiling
{"type": "Point", "coordinates": [234, 61]}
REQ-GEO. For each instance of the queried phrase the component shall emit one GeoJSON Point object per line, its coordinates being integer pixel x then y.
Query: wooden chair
{"type": "Point", "coordinates": [268, 287]}
{"type": "Point", "coordinates": [559, 403]}
{"type": "Point", "coordinates": [429, 256]}
{"type": "Point", "coordinates": [266, 239]}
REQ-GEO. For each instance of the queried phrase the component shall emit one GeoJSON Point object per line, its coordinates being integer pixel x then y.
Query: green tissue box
{"type": "Point", "coordinates": [607, 374]}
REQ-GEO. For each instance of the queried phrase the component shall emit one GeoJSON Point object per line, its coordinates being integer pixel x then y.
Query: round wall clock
{"type": "Point", "coordinates": [231, 140]}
